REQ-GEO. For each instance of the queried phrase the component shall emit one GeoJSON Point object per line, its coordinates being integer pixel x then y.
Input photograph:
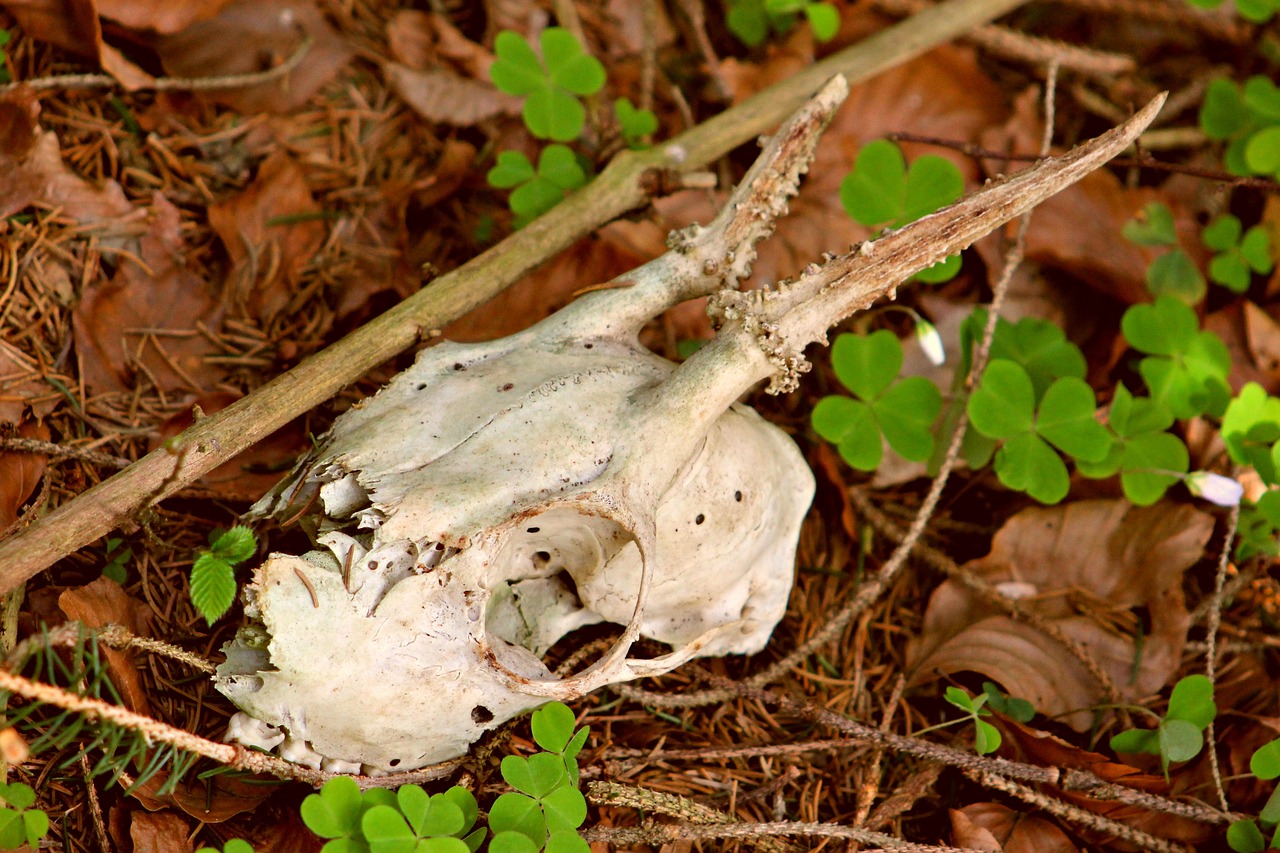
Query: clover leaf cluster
{"type": "Point", "coordinates": [752, 21]}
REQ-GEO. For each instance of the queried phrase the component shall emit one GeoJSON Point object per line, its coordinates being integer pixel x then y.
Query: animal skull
{"type": "Point", "coordinates": [495, 497]}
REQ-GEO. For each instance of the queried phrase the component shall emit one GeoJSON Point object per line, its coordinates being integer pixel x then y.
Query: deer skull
{"type": "Point", "coordinates": [495, 497]}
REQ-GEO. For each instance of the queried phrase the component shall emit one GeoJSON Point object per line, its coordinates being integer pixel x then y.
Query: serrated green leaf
{"type": "Point", "coordinates": [1192, 701]}
{"type": "Point", "coordinates": [517, 813]}
{"type": "Point", "coordinates": [905, 413]}
{"type": "Point", "coordinates": [235, 545]}
{"type": "Point", "coordinates": [1003, 405]}
{"type": "Point", "coordinates": [873, 193]}
{"type": "Point", "coordinates": [335, 811]}
{"type": "Point", "coordinates": [1065, 420]}
{"type": "Point", "coordinates": [1164, 327]}
{"type": "Point", "coordinates": [1152, 227]}
{"type": "Point", "coordinates": [1265, 762]}
{"type": "Point", "coordinates": [1027, 463]}
{"type": "Point", "coordinates": [867, 364]}
{"type": "Point", "coordinates": [552, 726]}
{"type": "Point", "coordinates": [213, 586]}
{"type": "Point", "coordinates": [1175, 274]}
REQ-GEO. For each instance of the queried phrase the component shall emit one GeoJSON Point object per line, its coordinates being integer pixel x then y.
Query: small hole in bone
{"type": "Point", "coordinates": [508, 386]}
{"type": "Point", "coordinates": [588, 346]}
{"type": "Point", "coordinates": [542, 557]}
{"type": "Point", "coordinates": [395, 762]}
{"type": "Point", "coordinates": [457, 365]}
{"type": "Point", "coordinates": [481, 715]}
{"type": "Point", "coordinates": [532, 529]}
{"type": "Point", "coordinates": [422, 386]}
{"type": "Point", "coordinates": [701, 518]}
{"type": "Point", "coordinates": [737, 496]}
{"type": "Point", "coordinates": [373, 565]}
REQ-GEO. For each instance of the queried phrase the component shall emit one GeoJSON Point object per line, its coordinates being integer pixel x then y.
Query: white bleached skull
{"type": "Point", "coordinates": [494, 497]}
{"type": "Point", "coordinates": [469, 521]}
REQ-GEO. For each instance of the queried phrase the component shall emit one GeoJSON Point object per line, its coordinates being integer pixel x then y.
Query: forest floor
{"type": "Point", "coordinates": [168, 249]}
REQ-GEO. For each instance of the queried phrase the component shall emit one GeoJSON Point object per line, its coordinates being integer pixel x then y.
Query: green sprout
{"type": "Point", "coordinates": [213, 575]}
{"type": "Point", "coordinates": [1240, 253]}
{"type": "Point", "coordinates": [535, 191]}
{"type": "Point", "coordinates": [1004, 407]}
{"type": "Point", "coordinates": [118, 557]}
{"type": "Point", "coordinates": [1148, 458]}
{"type": "Point", "coordinates": [986, 736]}
{"type": "Point", "coordinates": [1185, 368]}
{"type": "Point", "coordinates": [635, 124]}
{"type": "Point", "coordinates": [408, 820]}
{"type": "Point", "coordinates": [1015, 709]}
{"type": "Point", "coordinates": [20, 823]}
{"type": "Point", "coordinates": [1180, 733]}
{"type": "Point", "coordinates": [1247, 118]}
{"type": "Point", "coordinates": [1172, 273]}
{"type": "Point", "coordinates": [551, 83]}
{"type": "Point", "coordinates": [882, 191]}
{"type": "Point", "coordinates": [753, 20]}
{"type": "Point", "coordinates": [1244, 836]}
{"type": "Point", "coordinates": [901, 413]}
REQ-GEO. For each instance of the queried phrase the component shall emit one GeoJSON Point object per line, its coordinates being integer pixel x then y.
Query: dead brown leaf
{"type": "Point", "coordinates": [440, 95]}
{"type": "Point", "coordinates": [270, 231]}
{"type": "Point", "coordinates": [160, 832]}
{"type": "Point", "coordinates": [20, 473]}
{"type": "Point", "coordinates": [255, 35]}
{"type": "Point", "coordinates": [144, 320]}
{"type": "Point", "coordinates": [991, 826]}
{"type": "Point", "coordinates": [1082, 567]}
{"type": "Point", "coordinates": [160, 16]}
{"type": "Point", "coordinates": [73, 25]}
{"type": "Point", "coordinates": [101, 603]}
{"type": "Point", "coordinates": [21, 386]}
{"type": "Point", "coordinates": [213, 800]}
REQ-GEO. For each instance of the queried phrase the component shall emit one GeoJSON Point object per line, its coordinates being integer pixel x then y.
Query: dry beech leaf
{"type": "Point", "coordinates": [160, 16]}
{"type": "Point", "coordinates": [100, 603]}
{"type": "Point", "coordinates": [73, 25]}
{"type": "Point", "coordinates": [1090, 563]}
{"type": "Point", "coordinates": [1264, 341]}
{"type": "Point", "coordinates": [421, 40]}
{"type": "Point", "coordinates": [20, 473]}
{"type": "Point", "coordinates": [160, 832]}
{"type": "Point", "coordinates": [991, 826]}
{"type": "Point", "coordinates": [440, 95]}
{"type": "Point", "coordinates": [21, 386]}
{"type": "Point", "coordinates": [248, 36]}
{"type": "Point", "coordinates": [144, 320]}
{"type": "Point", "coordinates": [270, 233]}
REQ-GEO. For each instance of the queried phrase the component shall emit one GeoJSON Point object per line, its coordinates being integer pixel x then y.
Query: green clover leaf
{"type": "Point", "coordinates": [537, 191]}
{"type": "Point", "coordinates": [1147, 457]}
{"type": "Point", "coordinates": [1039, 346]}
{"type": "Point", "coordinates": [902, 413]}
{"type": "Point", "coordinates": [1186, 369]}
{"type": "Point", "coordinates": [1153, 226]}
{"type": "Point", "coordinates": [634, 124]}
{"type": "Point", "coordinates": [1240, 253]}
{"type": "Point", "coordinates": [1251, 431]}
{"type": "Point", "coordinates": [549, 83]}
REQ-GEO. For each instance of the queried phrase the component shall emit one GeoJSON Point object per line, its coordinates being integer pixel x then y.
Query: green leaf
{"type": "Point", "coordinates": [1065, 420]}
{"type": "Point", "coordinates": [1175, 274]}
{"type": "Point", "coordinates": [1142, 457]}
{"type": "Point", "coordinates": [442, 844]}
{"type": "Point", "coordinates": [634, 124]}
{"type": "Point", "coordinates": [1250, 429]}
{"type": "Point", "coordinates": [932, 182]}
{"type": "Point", "coordinates": [1041, 347]}
{"type": "Point", "coordinates": [516, 69]}
{"type": "Point", "coordinates": [1003, 405]}
{"type": "Point", "coordinates": [959, 698]}
{"type": "Point", "coordinates": [237, 845]}
{"type": "Point", "coordinates": [12, 829]}
{"type": "Point", "coordinates": [511, 169]}
{"type": "Point", "coordinates": [1270, 814]}
{"type": "Point", "coordinates": [1179, 741]}
{"type": "Point", "coordinates": [1016, 709]}
{"type": "Point", "coordinates": [512, 842]}
{"type": "Point", "coordinates": [1152, 227]}
{"type": "Point", "coordinates": [235, 545]}
{"type": "Point", "coordinates": [905, 413]}
{"type": "Point", "coordinates": [414, 803]}
{"type": "Point", "coordinates": [1222, 113]}
{"type": "Point", "coordinates": [18, 795]}
{"type": "Point", "coordinates": [1262, 98]}
{"type": "Point", "coordinates": [518, 813]}
{"type": "Point", "coordinates": [944, 270]}
{"type": "Point", "coordinates": [986, 737]}
{"type": "Point", "coordinates": [1028, 464]}
{"type": "Point", "coordinates": [565, 841]}
{"type": "Point", "coordinates": [1255, 248]}
{"type": "Point", "coordinates": [824, 19]}
{"type": "Point", "coordinates": [466, 803]}
{"type": "Point", "coordinates": [475, 839]}
{"type": "Point", "coordinates": [335, 811]}
{"type": "Point", "coordinates": [1164, 327]}
{"type": "Point", "coordinates": [747, 20]}
{"type": "Point", "coordinates": [565, 808]}
{"type": "Point", "coordinates": [552, 726]}
{"type": "Point", "coordinates": [386, 831]}
{"type": "Point", "coordinates": [867, 364]}
{"type": "Point", "coordinates": [1192, 701]}
{"type": "Point", "coordinates": [1262, 151]}
{"type": "Point", "coordinates": [1243, 836]}
{"type": "Point", "coordinates": [442, 818]}
{"type": "Point", "coordinates": [852, 426]}
{"type": "Point", "coordinates": [576, 743]}
{"type": "Point", "coordinates": [1223, 233]}
{"type": "Point", "coordinates": [1230, 270]}
{"type": "Point", "coordinates": [1137, 741]}
{"type": "Point", "coordinates": [1265, 763]}
{"type": "Point", "coordinates": [213, 586]}
{"type": "Point", "coordinates": [568, 65]}
{"type": "Point", "coordinates": [874, 192]}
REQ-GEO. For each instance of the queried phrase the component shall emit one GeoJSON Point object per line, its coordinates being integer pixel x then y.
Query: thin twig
{"type": "Point", "coordinates": [62, 451]}
{"type": "Point", "coordinates": [657, 834]}
{"type": "Point", "coordinates": [1211, 642]}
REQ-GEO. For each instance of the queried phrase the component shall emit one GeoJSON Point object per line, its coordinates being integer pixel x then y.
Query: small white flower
{"type": "Point", "coordinates": [1215, 488]}
{"type": "Point", "coordinates": [930, 341]}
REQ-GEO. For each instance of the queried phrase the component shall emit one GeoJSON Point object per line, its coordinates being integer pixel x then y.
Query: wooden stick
{"type": "Point", "coordinates": [619, 188]}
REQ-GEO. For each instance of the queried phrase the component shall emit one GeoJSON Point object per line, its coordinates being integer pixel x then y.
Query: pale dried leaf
{"type": "Point", "coordinates": [440, 95]}
{"type": "Point", "coordinates": [160, 16]}
{"type": "Point", "coordinates": [1012, 832]}
{"type": "Point", "coordinates": [160, 832]}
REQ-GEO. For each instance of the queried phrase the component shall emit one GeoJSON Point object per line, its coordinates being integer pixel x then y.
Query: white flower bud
{"type": "Point", "coordinates": [1215, 488]}
{"type": "Point", "coordinates": [930, 341]}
